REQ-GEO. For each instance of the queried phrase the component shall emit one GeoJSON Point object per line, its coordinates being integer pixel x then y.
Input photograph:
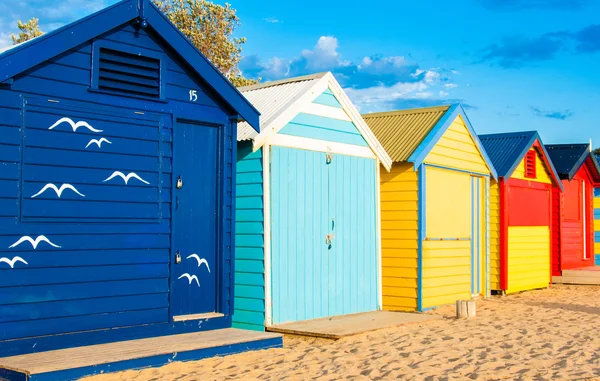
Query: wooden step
{"type": "Point", "coordinates": [74, 363]}
{"type": "Point", "coordinates": [575, 280]}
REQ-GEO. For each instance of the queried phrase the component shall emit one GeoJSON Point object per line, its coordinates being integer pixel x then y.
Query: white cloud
{"type": "Point", "coordinates": [450, 85]}
{"type": "Point", "coordinates": [374, 82]}
{"type": "Point", "coordinates": [272, 20]}
{"type": "Point", "coordinates": [324, 55]}
{"type": "Point", "coordinates": [374, 96]}
{"type": "Point", "coordinates": [5, 41]}
{"type": "Point", "coordinates": [52, 15]}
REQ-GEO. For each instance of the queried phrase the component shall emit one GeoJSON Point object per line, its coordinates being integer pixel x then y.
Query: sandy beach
{"type": "Point", "coordinates": [550, 334]}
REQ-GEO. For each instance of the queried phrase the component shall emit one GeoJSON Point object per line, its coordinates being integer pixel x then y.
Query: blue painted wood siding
{"type": "Point", "coordinates": [328, 99]}
{"type": "Point", "coordinates": [249, 291]}
{"type": "Point", "coordinates": [310, 199]}
{"type": "Point", "coordinates": [323, 128]}
{"type": "Point", "coordinates": [112, 266]}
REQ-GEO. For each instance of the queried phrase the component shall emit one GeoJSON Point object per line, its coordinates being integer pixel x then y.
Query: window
{"type": "Point", "coordinates": [127, 73]}
{"type": "Point", "coordinates": [530, 165]}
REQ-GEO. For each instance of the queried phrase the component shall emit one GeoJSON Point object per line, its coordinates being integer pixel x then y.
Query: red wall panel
{"type": "Point", "coordinates": [572, 224]}
{"type": "Point", "coordinates": [528, 206]}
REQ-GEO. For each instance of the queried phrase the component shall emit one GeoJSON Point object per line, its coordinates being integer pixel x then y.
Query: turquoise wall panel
{"type": "Point", "coordinates": [328, 99]}
{"type": "Point", "coordinates": [249, 290]}
{"type": "Point", "coordinates": [323, 128]}
{"type": "Point", "coordinates": [309, 200]}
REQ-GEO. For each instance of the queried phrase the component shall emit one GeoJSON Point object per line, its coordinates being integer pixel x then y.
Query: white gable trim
{"type": "Point", "coordinates": [288, 112]}
{"type": "Point", "coordinates": [358, 121]}
{"type": "Point", "coordinates": [309, 144]}
{"type": "Point", "coordinates": [326, 111]}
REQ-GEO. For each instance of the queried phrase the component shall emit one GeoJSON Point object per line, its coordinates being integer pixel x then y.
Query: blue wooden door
{"type": "Point", "coordinates": [195, 187]}
{"type": "Point", "coordinates": [323, 235]}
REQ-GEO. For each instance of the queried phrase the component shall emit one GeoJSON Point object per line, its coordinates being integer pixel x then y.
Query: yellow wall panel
{"type": "Point", "coordinates": [542, 173]}
{"type": "Point", "coordinates": [399, 223]}
{"type": "Point", "coordinates": [494, 235]}
{"type": "Point", "coordinates": [456, 149]}
{"type": "Point", "coordinates": [596, 202]}
{"type": "Point", "coordinates": [596, 224]}
{"type": "Point", "coordinates": [399, 262]}
{"type": "Point", "coordinates": [400, 282]}
{"type": "Point", "coordinates": [448, 219]}
{"type": "Point", "coordinates": [597, 248]}
{"type": "Point", "coordinates": [528, 257]}
{"type": "Point", "coordinates": [446, 272]}
{"type": "Point", "coordinates": [400, 304]}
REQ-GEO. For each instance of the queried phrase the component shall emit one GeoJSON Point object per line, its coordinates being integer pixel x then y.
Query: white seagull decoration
{"type": "Point", "coordinates": [200, 260]}
{"type": "Point", "coordinates": [74, 126]}
{"type": "Point", "coordinates": [125, 178]}
{"type": "Point", "coordinates": [98, 142]}
{"type": "Point", "coordinates": [57, 190]}
{"type": "Point", "coordinates": [11, 262]}
{"type": "Point", "coordinates": [190, 278]}
{"type": "Point", "coordinates": [34, 243]}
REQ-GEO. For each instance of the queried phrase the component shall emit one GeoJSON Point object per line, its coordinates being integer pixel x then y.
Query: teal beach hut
{"type": "Point", "coordinates": [307, 206]}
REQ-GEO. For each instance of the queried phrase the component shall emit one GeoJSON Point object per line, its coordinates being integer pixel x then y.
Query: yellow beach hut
{"type": "Point", "coordinates": [434, 208]}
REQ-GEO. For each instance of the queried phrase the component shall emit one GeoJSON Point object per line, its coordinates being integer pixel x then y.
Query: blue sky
{"type": "Point", "coordinates": [514, 64]}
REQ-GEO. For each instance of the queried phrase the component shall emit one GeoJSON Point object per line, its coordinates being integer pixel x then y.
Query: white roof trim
{"type": "Point", "coordinates": [289, 111]}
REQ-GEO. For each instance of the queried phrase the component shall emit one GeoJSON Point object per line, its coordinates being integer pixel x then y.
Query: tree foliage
{"type": "Point", "coordinates": [28, 31]}
{"type": "Point", "coordinates": [597, 151]}
{"type": "Point", "coordinates": [210, 28]}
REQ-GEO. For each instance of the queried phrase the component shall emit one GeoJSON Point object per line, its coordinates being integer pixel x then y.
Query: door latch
{"type": "Point", "coordinates": [177, 257]}
{"type": "Point", "coordinates": [328, 238]}
{"type": "Point", "coordinates": [179, 183]}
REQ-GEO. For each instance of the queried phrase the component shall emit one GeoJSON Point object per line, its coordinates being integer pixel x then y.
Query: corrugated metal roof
{"type": "Point", "coordinates": [401, 132]}
{"type": "Point", "coordinates": [568, 158]}
{"type": "Point", "coordinates": [271, 97]}
{"type": "Point", "coordinates": [507, 149]}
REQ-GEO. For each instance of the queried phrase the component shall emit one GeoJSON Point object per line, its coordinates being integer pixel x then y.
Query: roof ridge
{"type": "Point", "coordinates": [407, 111]}
{"type": "Point", "coordinates": [505, 134]}
{"type": "Point", "coordinates": [284, 81]}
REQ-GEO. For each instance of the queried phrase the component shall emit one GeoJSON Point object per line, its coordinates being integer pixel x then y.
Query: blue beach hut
{"type": "Point", "coordinates": [307, 206]}
{"type": "Point", "coordinates": [117, 163]}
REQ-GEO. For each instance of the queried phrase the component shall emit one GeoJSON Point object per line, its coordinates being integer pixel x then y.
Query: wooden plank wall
{"type": "Point", "coordinates": [249, 289]}
{"type": "Point", "coordinates": [112, 266]}
{"type": "Point", "coordinates": [399, 235]}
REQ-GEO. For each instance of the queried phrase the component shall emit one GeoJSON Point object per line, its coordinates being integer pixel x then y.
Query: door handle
{"type": "Point", "coordinates": [328, 238]}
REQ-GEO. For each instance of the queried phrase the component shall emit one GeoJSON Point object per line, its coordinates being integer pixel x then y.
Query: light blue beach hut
{"type": "Point", "coordinates": [307, 206]}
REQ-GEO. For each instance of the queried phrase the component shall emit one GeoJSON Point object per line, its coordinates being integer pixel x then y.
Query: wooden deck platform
{"type": "Point", "coordinates": [584, 275]}
{"type": "Point", "coordinates": [74, 363]}
{"type": "Point", "coordinates": [347, 325]}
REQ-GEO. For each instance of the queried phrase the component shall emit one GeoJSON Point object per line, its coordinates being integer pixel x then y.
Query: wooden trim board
{"type": "Point", "coordinates": [338, 327]}
{"type": "Point", "coordinates": [206, 316]}
{"type": "Point", "coordinates": [93, 355]}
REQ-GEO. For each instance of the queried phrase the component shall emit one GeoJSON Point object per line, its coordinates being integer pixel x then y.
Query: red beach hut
{"type": "Point", "coordinates": [573, 210]}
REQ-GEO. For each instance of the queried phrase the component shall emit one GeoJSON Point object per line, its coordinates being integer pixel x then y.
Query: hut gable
{"type": "Point", "coordinates": [508, 153]}
{"type": "Point", "coordinates": [325, 119]}
{"type": "Point", "coordinates": [457, 149]}
{"type": "Point", "coordinates": [541, 173]}
{"type": "Point", "coordinates": [310, 111]}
